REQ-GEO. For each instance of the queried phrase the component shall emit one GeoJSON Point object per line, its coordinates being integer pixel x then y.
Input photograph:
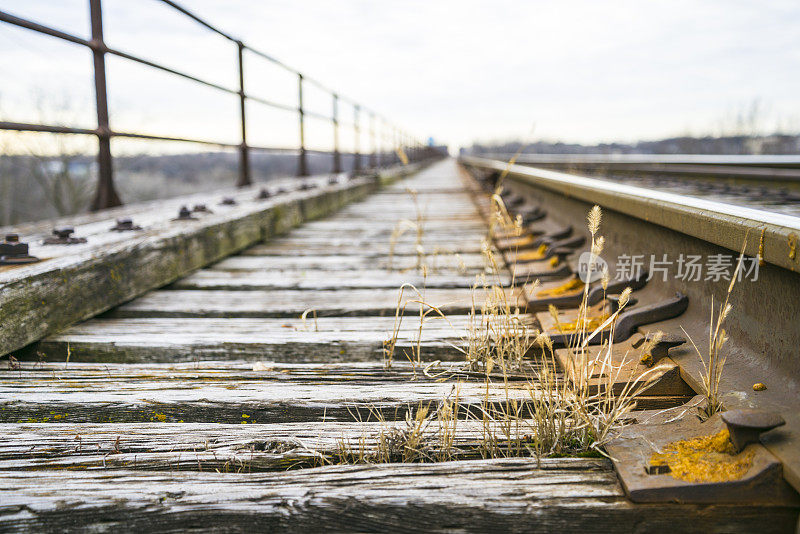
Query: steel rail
{"type": "Point", "coordinates": [770, 234]}
{"type": "Point", "coordinates": [747, 160]}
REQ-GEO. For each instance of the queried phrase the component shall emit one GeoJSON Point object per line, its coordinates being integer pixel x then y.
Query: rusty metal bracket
{"type": "Point", "coordinates": [62, 235]}
{"type": "Point", "coordinates": [661, 348]}
{"type": "Point", "coordinates": [623, 369]}
{"type": "Point", "coordinates": [631, 451]}
{"type": "Point", "coordinates": [15, 252]}
{"type": "Point", "coordinates": [185, 214]}
{"type": "Point", "coordinates": [514, 202]}
{"type": "Point", "coordinates": [629, 321]}
{"type": "Point", "coordinates": [555, 235]}
{"type": "Point", "coordinates": [125, 224]}
{"type": "Point", "coordinates": [616, 286]}
{"type": "Point", "coordinates": [745, 426]}
{"type": "Point", "coordinates": [527, 272]}
{"type": "Point", "coordinates": [531, 215]}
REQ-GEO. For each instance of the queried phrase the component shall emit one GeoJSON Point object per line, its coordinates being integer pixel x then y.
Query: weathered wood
{"type": "Point", "coordinates": [217, 392]}
{"type": "Point", "coordinates": [274, 393]}
{"type": "Point", "coordinates": [516, 495]}
{"type": "Point", "coordinates": [327, 339]}
{"type": "Point", "coordinates": [472, 263]}
{"type": "Point", "coordinates": [79, 281]}
{"type": "Point", "coordinates": [224, 447]}
{"type": "Point", "coordinates": [316, 279]}
{"type": "Point", "coordinates": [367, 247]}
{"type": "Point", "coordinates": [288, 303]}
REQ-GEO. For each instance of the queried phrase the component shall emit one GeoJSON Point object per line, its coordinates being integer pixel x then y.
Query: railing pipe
{"type": "Point", "coordinates": [302, 166]}
{"type": "Point", "coordinates": [373, 155]}
{"type": "Point", "coordinates": [357, 130]}
{"type": "Point", "coordinates": [337, 157]}
{"type": "Point", "coordinates": [245, 178]}
{"type": "Point", "coordinates": [105, 195]}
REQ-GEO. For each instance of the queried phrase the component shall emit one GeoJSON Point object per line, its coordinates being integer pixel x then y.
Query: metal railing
{"type": "Point", "coordinates": [106, 195]}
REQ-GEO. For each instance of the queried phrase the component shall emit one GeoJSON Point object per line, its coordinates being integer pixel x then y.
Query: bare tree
{"type": "Point", "coordinates": [56, 163]}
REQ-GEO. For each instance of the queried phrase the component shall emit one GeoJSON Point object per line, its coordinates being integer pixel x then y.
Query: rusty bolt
{"type": "Point", "coordinates": [184, 214]}
{"type": "Point", "coordinates": [62, 235]}
{"type": "Point", "coordinates": [125, 224]}
{"type": "Point", "coordinates": [745, 426]}
{"type": "Point", "coordinates": [63, 232]}
{"type": "Point", "coordinates": [15, 252]}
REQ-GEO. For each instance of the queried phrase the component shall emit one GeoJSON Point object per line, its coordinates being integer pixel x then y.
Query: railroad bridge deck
{"type": "Point", "coordinates": [186, 406]}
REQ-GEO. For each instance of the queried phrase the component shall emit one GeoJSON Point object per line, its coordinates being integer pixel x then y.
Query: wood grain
{"type": "Point", "coordinates": [514, 495]}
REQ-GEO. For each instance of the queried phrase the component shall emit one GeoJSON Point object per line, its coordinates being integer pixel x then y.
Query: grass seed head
{"type": "Point", "coordinates": [595, 214]}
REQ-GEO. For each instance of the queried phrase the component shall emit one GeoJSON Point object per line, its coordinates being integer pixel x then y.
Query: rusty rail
{"type": "Point", "coordinates": [106, 195]}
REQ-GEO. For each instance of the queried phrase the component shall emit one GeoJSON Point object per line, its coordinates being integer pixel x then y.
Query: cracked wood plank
{"type": "Point", "coordinates": [317, 279]}
{"type": "Point", "coordinates": [275, 393]}
{"type": "Point", "coordinates": [580, 495]}
{"type": "Point", "coordinates": [328, 339]}
{"type": "Point", "coordinates": [219, 392]}
{"type": "Point", "coordinates": [458, 263]}
{"type": "Point", "coordinates": [289, 303]}
{"type": "Point", "coordinates": [203, 447]}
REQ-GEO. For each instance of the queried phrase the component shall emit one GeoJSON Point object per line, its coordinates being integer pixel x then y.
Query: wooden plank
{"type": "Point", "coordinates": [77, 282]}
{"type": "Point", "coordinates": [287, 303]}
{"type": "Point", "coordinates": [331, 225]}
{"type": "Point", "coordinates": [367, 249]}
{"type": "Point", "coordinates": [204, 447]}
{"type": "Point", "coordinates": [328, 339]}
{"type": "Point", "coordinates": [436, 263]}
{"type": "Point", "coordinates": [111, 394]}
{"type": "Point", "coordinates": [318, 279]}
{"type": "Point", "coordinates": [553, 495]}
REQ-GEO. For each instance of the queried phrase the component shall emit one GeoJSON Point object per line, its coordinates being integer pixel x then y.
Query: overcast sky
{"type": "Point", "coordinates": [580, 70]}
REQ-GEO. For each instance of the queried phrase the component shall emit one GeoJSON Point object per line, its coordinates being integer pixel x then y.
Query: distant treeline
{"type": "Point", "coordinates": [34, 187]}
{"type": "Point", "coordinates": [736, 144]}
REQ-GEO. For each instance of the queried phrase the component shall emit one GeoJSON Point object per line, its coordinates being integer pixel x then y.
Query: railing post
{"type": "Point", "coordinates": [244, 156]}
{"type": "Point", "coordinates": [105, 195]}
{"type": "Point", "coordinates": [337, 157]}
{"type": "Point", "coordinates": [373, 155]}
{"type": "Point", "coordinates": [357, 130]}
{"type": "Point", "coordinates": [379, 143]}
{"type": "Point", "coordinates": [302, 168]}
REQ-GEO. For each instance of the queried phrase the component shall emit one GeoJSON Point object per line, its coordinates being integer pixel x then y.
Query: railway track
{"type": "Point", "coordinates": [184, 403]}
{"type": "Point", "coordinates": [771, 183]}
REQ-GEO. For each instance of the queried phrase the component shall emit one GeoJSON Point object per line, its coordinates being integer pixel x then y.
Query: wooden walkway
{"type": "Point", "coordinates": [184, 408]}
